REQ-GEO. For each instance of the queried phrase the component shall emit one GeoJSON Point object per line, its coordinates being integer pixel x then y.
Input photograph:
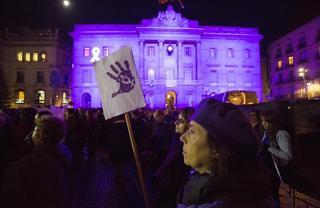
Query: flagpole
{"type": "Point", "coordinates": [136, 157]}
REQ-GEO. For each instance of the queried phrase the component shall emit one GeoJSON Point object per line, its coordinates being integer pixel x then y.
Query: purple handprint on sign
{"type": "Point", "coordinates": [124, 78]}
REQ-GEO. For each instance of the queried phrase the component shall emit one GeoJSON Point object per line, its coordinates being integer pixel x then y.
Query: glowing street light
{"type": "Point", "coordinates": [66, 3]}
{"type": "Point", "coordinates": [302, 73]}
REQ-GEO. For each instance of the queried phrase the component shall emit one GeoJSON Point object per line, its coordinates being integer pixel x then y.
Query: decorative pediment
{"type": "Point", "coordinates": [169, 18]}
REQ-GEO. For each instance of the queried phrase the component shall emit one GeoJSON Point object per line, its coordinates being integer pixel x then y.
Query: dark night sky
{"type": "Point", "coordinates": [274, 18]}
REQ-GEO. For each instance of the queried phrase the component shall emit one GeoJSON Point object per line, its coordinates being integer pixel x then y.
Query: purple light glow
{"type": "Point", "coordinates": [190, 71]}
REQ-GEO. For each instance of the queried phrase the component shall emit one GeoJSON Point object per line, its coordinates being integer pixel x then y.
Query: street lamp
{"type": "Point", "coordinates": [302, 73]}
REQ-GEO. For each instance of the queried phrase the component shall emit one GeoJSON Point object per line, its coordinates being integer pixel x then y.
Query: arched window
{"type": "Point", "coordinates": [190, 99]}
{"type": "Point", "coordinates": [86, 100]}
{"type": "Point", "coordinates": [150, 100]}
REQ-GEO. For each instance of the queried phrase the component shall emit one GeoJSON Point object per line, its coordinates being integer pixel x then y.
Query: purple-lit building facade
{"type": "Point", "coordinates": [294, 63]}
{"type": "Point", "coordinates": [178, 61]}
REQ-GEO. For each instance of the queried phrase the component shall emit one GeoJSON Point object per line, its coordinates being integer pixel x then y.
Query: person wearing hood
{"type": "Point", "coordinates": [221, 147]}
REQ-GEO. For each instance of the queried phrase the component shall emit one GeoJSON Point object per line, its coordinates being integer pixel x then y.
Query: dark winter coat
{"type": "Point", "coordinates": [239, 189]}
{"type": "Point", "coordinates": [38, 180]}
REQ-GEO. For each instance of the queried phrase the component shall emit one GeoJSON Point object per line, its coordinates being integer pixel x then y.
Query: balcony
{"type": "Point", "coordinates": [278, 69]}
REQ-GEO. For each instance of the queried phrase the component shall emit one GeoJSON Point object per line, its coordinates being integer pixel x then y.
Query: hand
{"type": "Point", "coordinates": [125, 78]}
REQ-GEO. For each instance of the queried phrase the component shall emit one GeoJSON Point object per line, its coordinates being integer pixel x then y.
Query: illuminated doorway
{"type": "Point", "coordinates": [86, 100]}
{"type": "Point", "coordinates": [171, 99]}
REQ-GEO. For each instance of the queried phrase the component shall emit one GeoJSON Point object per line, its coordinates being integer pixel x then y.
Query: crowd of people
{"type": "Point", "coordinates": [212, 156]}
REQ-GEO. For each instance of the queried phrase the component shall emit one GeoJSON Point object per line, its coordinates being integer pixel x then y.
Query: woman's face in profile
{"type": "Point", "coordinates": [197, 152]}
{"type": "Point", "coordinates": [265, 124]}
{"type": "Point", "coordinates": [182, 125]}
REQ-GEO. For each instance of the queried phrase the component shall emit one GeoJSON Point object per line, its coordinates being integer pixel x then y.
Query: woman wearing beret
{"type": "Point", "coordinates": [221, 147]}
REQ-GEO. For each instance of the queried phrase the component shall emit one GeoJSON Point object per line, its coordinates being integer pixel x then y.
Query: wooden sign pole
{"type": "Point", "coordinates": [136, 157]}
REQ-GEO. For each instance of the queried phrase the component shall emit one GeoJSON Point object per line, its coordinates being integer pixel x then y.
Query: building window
{"type": "Point", "coordinates": [54, 79]}
{"type": "Point", "coordinates": [151, 74]}
{"type": "Point", "coordinates": [291, 76]}
{"type": "Point", "coordinates": [290, 60]}
{"type": "Point", "coordinates": [65, 80]}
{"type": "Point", "coordinates": [169, 74]}
{"type": "Point", "coordinates": [41, 96]}
{"type": "Point", "coordinates": [65, 97]}
{"type": "Point", "coordinates": [187, 51]}
{"type": "Point", "coordinates": [230, 53]}
{"type": "Point", "coordinates": [40, 77]}
{"type": "Point", "coordinates": [188, 75]}
{"type": "Point", "coordinates": [105, 51]}
{"type": "Point", "coordinates": [86, 51]}
{"type": "Point", "coordinates": [151, 51]}
{"type": "Point", "coordinates": [302, 43]}
{"type": "Point", "coordinates": [20, 97]}
{"type": "Point", "coordinates": [20, 56]}
{"type": "Point", "coordinates": [278, 53]}
{"type": "Point", "coordinates": [231, 77]}
{"type": "Point", "coordinates": [213, 53]}
{"type": "Point", "coordinates": [247, 53]}
{"type": "Point", "coordinates": [248, 77]}
{"type": "Point", "coordinates": [20, 77]}
{"type": "Point", "coordinates": [190, 99]}
{"type": "Point", "coordinates": [280, 78]}
{"type": "Point", "coordinates": [279, 64]}
{"type": "Point", "coordinates": [303, 56]}
{"type": "Point", "coordinates": [289, 48]}
{"type": "Point", "coordinates": [43, 56]}
{"type": "Point", "coordinates": [35, 57]}
{"type": "Point", "coordinates": [28, 57]}
{"type": "Point", "coordinates": [86, 76]}
{"type": "Point", "coordinates": [280, 91]}
{"type": "Point", "coordinates": [213, 76]}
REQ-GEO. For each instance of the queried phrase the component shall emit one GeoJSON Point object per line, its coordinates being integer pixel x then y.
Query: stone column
{"type": "Point", "coordinates": [180, 61]}
{"type": "Point", "coordinates": [160, 72]}
{"type": "Point", "coordinates": [141, 60]}
{"type": "Point", "coordinates": [198, 61]}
